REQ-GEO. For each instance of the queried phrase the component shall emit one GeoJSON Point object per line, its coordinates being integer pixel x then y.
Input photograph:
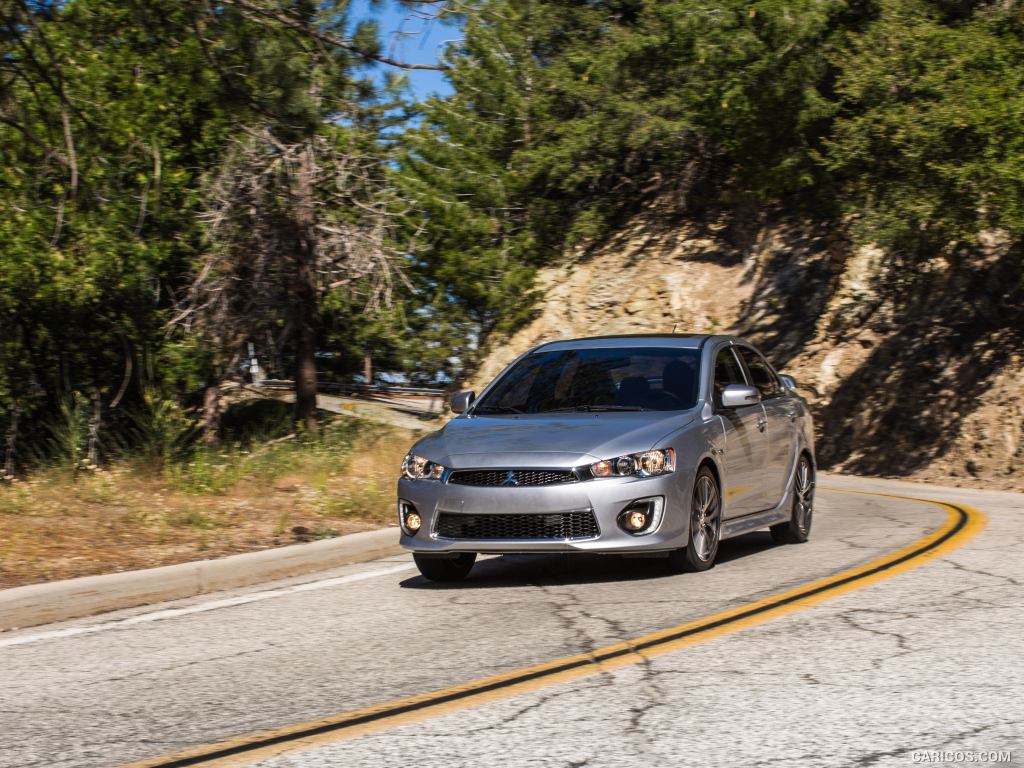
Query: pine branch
{"type": "Point", "coordinates": [256, 12]}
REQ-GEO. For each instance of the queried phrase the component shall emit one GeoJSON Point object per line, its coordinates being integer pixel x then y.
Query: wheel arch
{"type": "Point", "coordinates": [710, 463]}
{"type": "Point", "coordinates": [805, 451]}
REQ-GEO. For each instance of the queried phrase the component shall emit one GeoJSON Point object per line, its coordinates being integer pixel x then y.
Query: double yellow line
{"type": "Point", "coordinates": [961, 524]}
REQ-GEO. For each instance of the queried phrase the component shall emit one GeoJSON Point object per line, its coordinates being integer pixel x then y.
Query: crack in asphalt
{"type": "Point", "coordinates": [789, 760]}
{"type": "Point", "coordinates": [899, 522]}
{"type": "Point", "coordinates": [575, 618]}
{"type": "Point", "coordinates": [874, 757]}
{"type": "Point", "coordinates": [848, 541]}
{"type": "Point", "coordinates": [902, 643]}
{"type": "Point", "coordinates": [1009, 580]}
{"type": "Point", "coordinates": [543, 700]}
{"type": "Point", "coordinates": [184, 665]}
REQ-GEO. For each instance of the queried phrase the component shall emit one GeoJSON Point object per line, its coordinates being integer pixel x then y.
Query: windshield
{"type": "Point", "coordinates": [625, 379]}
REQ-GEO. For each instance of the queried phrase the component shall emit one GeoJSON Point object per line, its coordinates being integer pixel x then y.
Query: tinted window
{"type": "Point", "coordinates": [761, 373]}
{"type": "Point", "coordinates": [727, 371]}
{"type": "Point", "coordinates": [597, 379]}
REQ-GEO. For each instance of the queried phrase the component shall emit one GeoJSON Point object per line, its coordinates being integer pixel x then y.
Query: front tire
{"type": "Point", "coordinates": [445, 568]}
{"type": "Point", "coordinates": [705, 527]}
{"type": "Point", "coordinates": [798, 528]}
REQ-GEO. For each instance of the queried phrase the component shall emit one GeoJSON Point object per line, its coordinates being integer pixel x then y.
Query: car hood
{"type": "Point", "coordinates": [547, 441]}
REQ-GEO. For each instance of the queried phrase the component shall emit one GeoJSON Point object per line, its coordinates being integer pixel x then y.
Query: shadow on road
{"type": "Point", "coordinates": [574, 568]}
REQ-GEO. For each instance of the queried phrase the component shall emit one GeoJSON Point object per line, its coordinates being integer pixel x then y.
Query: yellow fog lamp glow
{"type": "Point", "coordinates": [636, 520]}
{"type": "Point", "coordinates": [642, 516]}
{"type": "Point", "coordinates": [408, 518]}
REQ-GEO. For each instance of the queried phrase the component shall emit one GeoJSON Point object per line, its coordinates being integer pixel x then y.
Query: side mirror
{"type": "Point", "coordinates": [738, 395]}
{"type": "Point", "coordinates": [460, 402]}
{"type": "Point", "coordinates": [787, 381]}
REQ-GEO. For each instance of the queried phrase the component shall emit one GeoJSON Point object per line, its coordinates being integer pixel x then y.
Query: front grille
{"type": "Point", "coordinates": [558, 525]}
{"type": "Point", "coordinates": [493, 478]}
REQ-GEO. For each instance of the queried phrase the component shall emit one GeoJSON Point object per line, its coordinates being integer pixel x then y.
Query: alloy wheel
{"type": "Point", "coordinates": [803, 490]}
{"type": "Point", "coordinates": [706, 518]}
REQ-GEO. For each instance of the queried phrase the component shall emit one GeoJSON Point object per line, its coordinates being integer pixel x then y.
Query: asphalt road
{"type": "Point", "coordinates": [901, 663]}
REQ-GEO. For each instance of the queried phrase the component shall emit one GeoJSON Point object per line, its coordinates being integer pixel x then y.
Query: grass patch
{"type": "Point", "coordinates": [15, 499]}
{"type": "Point", "coordinates": [246, 495]}
{"type": "Point", "coordinates": [194, 518]}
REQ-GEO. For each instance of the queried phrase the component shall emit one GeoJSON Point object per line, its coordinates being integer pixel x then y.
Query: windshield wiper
{"type": "Point", "coordinates": [496, 409]}
{"type": "Point", "coordinates": [595, 408]}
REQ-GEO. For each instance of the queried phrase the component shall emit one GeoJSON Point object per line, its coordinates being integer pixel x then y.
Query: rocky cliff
{"type": "Point", "coordinates": [912, 371]}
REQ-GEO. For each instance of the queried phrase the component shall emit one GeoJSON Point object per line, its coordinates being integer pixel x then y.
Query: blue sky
{"type": "Point", "coordinates": [409, 37]}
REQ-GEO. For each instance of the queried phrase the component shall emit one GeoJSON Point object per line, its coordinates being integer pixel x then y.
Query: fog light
{"type": "Point", "coordinates": [408, 518]}
{"type": "Point", "coordinates": [642, 516]}
{"type": "Point", "coordinates": [636, 520]}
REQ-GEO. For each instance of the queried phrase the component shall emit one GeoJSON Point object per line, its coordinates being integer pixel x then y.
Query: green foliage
{"type": "Point", "coordinates": [106, 110]}
{"type": "Point", "coordinates": [898, 119]}
{"type": "Point", "coordinates": [476, 276]}
{"type": "Point", "coordinates": [930, 142]}
{"type": "Point", "coordinates": [69, 433]}
{"type": "Point", "coordinates": [218, 470]}
{"type": "Point", "coordinates": [112, 116]}
{"type": "Point", "coordinates": [165, 432]}
{"type": "Point", "coordinates": [568, 116]}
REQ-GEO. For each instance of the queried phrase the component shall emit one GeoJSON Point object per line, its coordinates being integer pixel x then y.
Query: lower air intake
{"type": "Point", "coordinates": [555, 526]}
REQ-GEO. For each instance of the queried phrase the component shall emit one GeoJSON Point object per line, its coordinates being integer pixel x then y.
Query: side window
{"type": "Point", "coordinates": [727, 371]}
{"type": "Point", "coordinates": [761, 373]}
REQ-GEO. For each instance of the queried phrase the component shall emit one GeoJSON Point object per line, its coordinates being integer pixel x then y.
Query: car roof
{"type": "Point", "coordinates": [676, 340]}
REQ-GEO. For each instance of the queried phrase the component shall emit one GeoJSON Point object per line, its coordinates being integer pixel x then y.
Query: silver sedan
{"type": "Point", "coordinates": [662, 445]}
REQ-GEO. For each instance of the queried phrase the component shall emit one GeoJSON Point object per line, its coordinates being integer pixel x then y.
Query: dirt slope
{"type": "Point", "coordinates": [911, 371]}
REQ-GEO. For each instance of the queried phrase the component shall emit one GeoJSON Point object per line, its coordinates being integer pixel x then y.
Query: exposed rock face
{"type": "Point", "coordinates": [911, 372]}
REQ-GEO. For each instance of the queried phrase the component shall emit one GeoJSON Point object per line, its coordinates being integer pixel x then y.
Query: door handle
{"type": "Point", "coordinates": [761, 424]}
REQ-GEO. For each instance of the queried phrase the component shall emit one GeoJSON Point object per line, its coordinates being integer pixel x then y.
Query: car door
{"type": "Point", "coordinates": [746, 446]}
{"type": "Point", "coordinates": [781, 435]}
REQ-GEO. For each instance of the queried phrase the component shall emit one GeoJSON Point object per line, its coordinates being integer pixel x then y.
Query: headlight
{"type": "Point", "coordinates": [417, 468]}
{"type": "Point", "coordinates": [646, 464]}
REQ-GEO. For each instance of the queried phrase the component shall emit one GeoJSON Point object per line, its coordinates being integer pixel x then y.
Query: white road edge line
{"type": "Point", "coordinates": [210, 605]}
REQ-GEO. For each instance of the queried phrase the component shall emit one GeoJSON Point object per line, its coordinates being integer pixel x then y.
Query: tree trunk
{"type": "Point", "coordinates": [305, 295]}
{"type": "Point", "coordinates": [11, 442]}
{"type": "Point", "coordinates": [368, 368]}
{"type": "Point", "coordinates": [92, 455]}
{"type": "Point", "coordinates": [211, 412]}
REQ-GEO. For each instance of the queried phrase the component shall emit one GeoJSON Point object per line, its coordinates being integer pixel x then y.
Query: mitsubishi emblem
{"type": "Point", "coordinates": [511, 479]}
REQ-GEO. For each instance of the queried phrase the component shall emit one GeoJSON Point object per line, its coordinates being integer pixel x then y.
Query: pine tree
{"type": "Point", "coordinates": [300, 205]}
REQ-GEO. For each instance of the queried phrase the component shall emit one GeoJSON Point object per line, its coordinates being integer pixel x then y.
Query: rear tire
{"type": "Point", "coordinates": [797, 529]}
{"type": "Point", "coordinates": [705, 527]}
{"type": "Point", "coordinates": [445, 568]}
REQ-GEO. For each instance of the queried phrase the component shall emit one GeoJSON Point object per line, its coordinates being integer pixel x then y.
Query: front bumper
{"type": "Point", "coordinates": [605, 497]}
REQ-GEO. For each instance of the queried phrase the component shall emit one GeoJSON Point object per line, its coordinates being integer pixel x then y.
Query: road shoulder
{"type": "Point", "coordinates": [37, 604]}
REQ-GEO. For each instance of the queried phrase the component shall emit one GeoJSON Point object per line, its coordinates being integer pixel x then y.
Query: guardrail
{"type": "Point", "coordinates": [355, 388]}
